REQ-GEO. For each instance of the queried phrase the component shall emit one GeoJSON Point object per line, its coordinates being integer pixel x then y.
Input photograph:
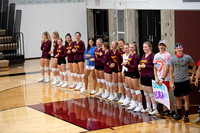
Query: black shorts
{"type": "Point", "coordinates": [70, 61]}
{"type": "Point", "coordinates": [134, 75]}
{"type": "Point", "coordinates": [146, 81]}
{"type": "Point", "coordinates": [99, 68]}
{"type": "Point", "coordinates": [77, 61]}
{"type": "Point", "coordinates": [182, 88]}
{"type": "Point", "coordinates": [125, 73]}
{"type": "Point", "coordinates": [61, 61]}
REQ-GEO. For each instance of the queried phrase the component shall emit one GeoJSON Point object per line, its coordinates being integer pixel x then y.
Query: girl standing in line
{"type": "Point", "coordinates": [78, 50]}
{"type": "Point", "coordinates": [70, 57]}
{"type": "Point", "coordinates": [61, 54]}
{"type": "Point", "coordinates": [45, 59]}
{"type": "Point", "coordinates": [99, 66]}
{"type": "Point", "coordinates": [147, 75]}
{"type": "Point", "coordinates": [107, 70]}
{"type": "Point", "coordinates": [89, 56]}
{"type": "Point", "coordinates": [54, 66]}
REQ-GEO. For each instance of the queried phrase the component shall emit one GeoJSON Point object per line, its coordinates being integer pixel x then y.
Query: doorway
{"type": "Point", "coordinates": [149, 29]}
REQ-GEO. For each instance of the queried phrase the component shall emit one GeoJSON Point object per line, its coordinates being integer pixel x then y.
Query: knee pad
{"type": "Point", "coordinates": [132, 91]}
{"type": "Point", "coordinates": [75, 75]}
{"type": "Point", "coordinates": [124, 85]}
{"type": "Point", "coordinates": [41, 68]}
{"type": "Point", "coordinates": [151, 95]}
{"type": "Point", "coordinates": [114, 84]}
{"type": "Point", "coordinates": [98, 80]}
{"type": "Point", "coordinates": [146, 94]}
{"type": "Point", "coordinates": [127, 89]}
{"type": "Point", "coordinates": [120, 84]}
{"type": "Point", "coordinates": [78, 75]}
{"type": "Point", "coordinates": [64, 73]}
{"type": "Point", "coordinates": [110, 84]}
{"type": "Point", "coordinates": [82, 75]}
{"type": "Point", "coordinates": [57, 69]}
{"type": "Point", "coordinates": [46, 68]}
{"type": "Point", "coordinates": [71, 74]}
{"type": "Point", "coordinates": [137, 92]}
{"type": "Point", "coordinates": [107, 83]}
{"type": "Point", "coordinates": [103, 81]}
{"type": "Point", "coordinates": [53, 69]}
{"type": "Point", "coordinates": [60, 73]}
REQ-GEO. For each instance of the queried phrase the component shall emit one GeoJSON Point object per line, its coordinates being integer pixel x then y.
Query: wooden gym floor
{"type": "Point", "coordinates": [29, 106]}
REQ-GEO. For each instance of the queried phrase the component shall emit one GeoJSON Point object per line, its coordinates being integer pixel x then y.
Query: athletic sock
{"type": "Point", "coordinates": [155, 106]}
{"type": "Point", "coordinates": [179, 112]}
{"type": "Point", "coordinates": [148, 105]}
{"type": "Point", "coordinates": [186, 113]}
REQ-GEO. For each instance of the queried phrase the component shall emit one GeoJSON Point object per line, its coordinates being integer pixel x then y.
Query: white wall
{"type": "Point", "coordinates": [64, 18]}
{"type": "Point", "coordinates": [143, 4]}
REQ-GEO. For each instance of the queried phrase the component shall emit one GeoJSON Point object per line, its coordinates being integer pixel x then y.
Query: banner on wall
{"type": "Point", "coordinates": [161, 94]}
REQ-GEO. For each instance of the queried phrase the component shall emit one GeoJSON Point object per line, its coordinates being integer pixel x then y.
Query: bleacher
{"type": "Point", "coordinates": [11, 39]}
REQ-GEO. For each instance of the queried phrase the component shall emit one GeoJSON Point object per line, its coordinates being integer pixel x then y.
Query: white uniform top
{"type": "Point", "coordinates": [125, 59]}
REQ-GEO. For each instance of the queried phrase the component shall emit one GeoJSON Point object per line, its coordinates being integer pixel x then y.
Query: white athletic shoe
{"type": "Point", "coordinates": [111, 97]}
{"type": "Point", "coordinates": [78, 87]}
{"type": "Point", "coordinates": [73, 86]}
{"type": "Point", "coordinates": [138, 108]}
{"type": "Point", "coordinates": [41, 80]}
{"type": "Point", "coordinates": [93, 92]}
{"type": "Point", "coordinates": [132, 106]}
{"type": "Point", "coordinates": [60, 84]}
{"type": "Point", "coordinates": [99, 93]}
{"type": "Point", "coordinates": [155, 111]}
{"type": "Point", "coordinates": [121, 99]}
{"type": "Point", "coordinates": [65, 85]}
{"type": "Point", "coordinates": [116, 98]}
{"type": "Point", "coordinates": [47, 80]}
{"type": "Point", "coordinates": [145, 110]}
{"type": "Point", "coordinates": [83, 90]}
{"type": "Point", "coordinates": [54, 82]}
{"type": "Point", "coordinates": [126, 101]}
{"type": "Point", "coordinates": [106, 95]}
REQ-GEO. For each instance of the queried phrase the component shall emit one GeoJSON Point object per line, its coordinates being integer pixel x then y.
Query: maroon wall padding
{"type": "Point", "coordinates": [187, 32]}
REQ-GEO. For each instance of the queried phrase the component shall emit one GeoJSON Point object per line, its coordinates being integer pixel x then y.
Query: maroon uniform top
{"type": "Point", "coordinates": [46, 48]}
{"type": "Point", "coordinates": [133, 62]}
{"type": "Point", "coordinates": [70, 57]}
{"type": "Point", "coordinates": [61, 52]}
{"type": "Point", "coordinates": [97, 57]}
{"type": "Point", "coordinates": [80, 49]}
{"type": "Point", "coordinates": [121, 59]}
{"type": "Point", "coordinates": [106, 61]}
{"type": "Point", "coordinates": [148, 70]}
{"type": "Point", "coordinates": [55, 45]}
{"type": "Point", "coordinates": [114, 58]}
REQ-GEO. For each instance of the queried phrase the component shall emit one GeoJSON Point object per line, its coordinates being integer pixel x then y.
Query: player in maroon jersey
{"type": "Point", "coordinates": [45, 59]}
{"type": "Point", "coordinates": [114, 65]}
{"type": "Point", "coordinates": [147, 75]}
{"type": "Point", "coordinates": [99, 67]}
{"type": "Point", "coordinates": [61, 54]}
{"type": "Point", "coordinates": [54, 66]}
{"type": "Point", "coordinates": [78, 50]}
{"type": "Point", "coordinates": [121, 80]}
{"type": "Point", "coordinates": [107, 70]}
{"type": "Point", "coordinates": [133, 78]}
{"type": "Point", "coordinates": [70, 57]}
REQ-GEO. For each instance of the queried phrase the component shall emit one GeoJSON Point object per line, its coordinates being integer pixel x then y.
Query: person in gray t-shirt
{"type": "Point", "coordinates": [180, 82]}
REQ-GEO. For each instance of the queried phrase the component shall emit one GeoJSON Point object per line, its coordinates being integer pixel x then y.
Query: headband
{"type": "Point", "coordinates": [178, 45]}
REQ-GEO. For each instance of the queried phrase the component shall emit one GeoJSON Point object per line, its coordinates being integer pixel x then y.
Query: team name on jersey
{"type": "Point", "coordinates": [76, 46]}
{"type": "Point", "coordinates": [114, 58]}
{"type": "Point", "coordinates": [58, 51]}
{"type": "Point", "coordinates": [68, 48]}
{"type": "Point", "coordinates": [143, 62]}
{"type": "Point", "coordinates": [97, 53]}
{"type": "Point", "coordinates": [54, 44]}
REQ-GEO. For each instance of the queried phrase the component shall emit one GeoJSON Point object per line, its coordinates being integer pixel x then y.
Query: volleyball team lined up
{"type": "Point", "coordinates": [115, 68]}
